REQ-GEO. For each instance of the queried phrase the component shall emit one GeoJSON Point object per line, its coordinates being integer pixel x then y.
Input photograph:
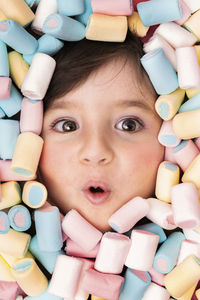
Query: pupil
{"type": "Point", "coordinates": [69, 126]}
{"type": "Point", "coordinates": [129, 125]}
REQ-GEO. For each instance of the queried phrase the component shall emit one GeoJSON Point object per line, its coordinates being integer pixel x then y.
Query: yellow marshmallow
{"type": "Point", "coordinates": [188, 294]}
{"type": "Point", "coordinates": [5, 271]}
{"type": "Point", "coordinates": [136, 26]}
{"type": "Point", "coordinates": [192, 93]}
{"type": "Point", "coordinates": [26, 192]}
{"type": "Point", "coordinates": [192, 173]}
{"type": "Point", "coordinates": [10, 194]}
{"type": "Point", "coordinates": [197, 294]}
{"type": "Point", "coordinates": [193, 24]}
{"type": "Point", "coordinates": [11, 260]}
{"type": "Point", "coordinates": [18, 67]}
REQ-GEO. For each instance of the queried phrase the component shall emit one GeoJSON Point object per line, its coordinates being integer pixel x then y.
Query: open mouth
{"type": "Point", "coordinates": [96, 190]}
{"type": "Point", "coordinates": [96, 193]}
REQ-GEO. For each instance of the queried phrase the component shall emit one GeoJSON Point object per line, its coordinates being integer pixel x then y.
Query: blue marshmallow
{"type": "Point", "coordinates": [4, 64]}
{"type": "Point", "coordinates": [154, 228]}
{"type": "Point", "coordinates": [2, 113]}
{"type": "Point", "coordinates": [9, 131]}
{"type": "Point", "coordinates": [20, 218]}
{"type": "Point", "coordinates": [5, 224]}
{"type": "Point", "coordinates": [70, 8]}
{"type": "Point", "coordinates": [12, 105]}
{"type": "Point", "coordinates": [84, 17]}
{"type": "Point", "coordinates": [191, 104]}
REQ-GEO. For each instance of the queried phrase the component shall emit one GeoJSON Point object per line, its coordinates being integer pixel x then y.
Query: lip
{"type": "Point", "coordinates": [96, 198]}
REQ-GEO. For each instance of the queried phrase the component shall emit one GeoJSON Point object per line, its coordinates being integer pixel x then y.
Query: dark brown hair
{"type": "Point", "coordinates": [77, 60]}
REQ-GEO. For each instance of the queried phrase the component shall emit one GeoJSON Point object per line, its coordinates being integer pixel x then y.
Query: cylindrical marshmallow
{"type": "Point", "coordinates": [135, 285]}
{"type": "Point", "coordinates": [112, 7]}
{"type": "Point", "coordinates": [135, 25]}
{"type": "Point", "coordinates": [11, 260]}
{"type": "Point", "coordinates": [155, 291]}
{"type": "Point", "coordinates": [12, 105]}
{"type": "Point", "coordinates": [6, 174]}
{"type": "Point", "coordinates": [4, 65]}
{"type": "Point", "coordinates": [166, 136]}
{"type": "Point", "coordinates": [83, 18]}
{"type": "Point", "coordinates": [112, 253]}
{"type": "Point", "coordinates": [166, 257]}
{"type": "Point", "coordinates": [185, 205]}
{"type": "Point", "coordinates": [192, 173]}
{"type": "Point", "coordinates": [77, 228]}
{"type": "Point", "coordinates": [129, 214]}
{"type": "Point", "coordinates": [27, 154]}
{"type": "Point", "coordinates": [186, 125]}
{"type": "Point", "coordinates": [48, 229]}
{"type": "Point", "coordinates": [65, 285]}
{"type": "Point", "coordinates": [192, 93]}
{"type": "Point", "coordinates": [193, 23]}
{"type": "Point", "coordinates": [186, 13]}
{"type": "Point", "coordinates": [5, 84]}
{"type": "Point", "coordinates": [19, 217]}
{"type": "Point", "coordinates": [154, 228]}
{"type": "Point", "coordinates": [187, 248]}
{"type": "Point", "coordinates": [14, 243]}
{"type": "Point", "coordinates": [10, 194]}
{"type": "Point", "coordinates": [160, 71]}
{"type": "Point", "coordinates": [107, 28]}
{"type": "Point", "coordinates": [168, 175]}
{"type": "Point", "coordinates": [161, 213]}
{"type": "Point", "coordinates": [141, 241]}
{"type": "Point", "coordinates": [4, 223]}
{"type": "Point", "coordinates": [191, 104]}
{"type": "Point", "coordinates": [34, 194]}
{"type": "Point", "coordinates": [9, 132]}
{"type": "Point", "coordinates": [156, 276]}
{"type": "Point", "coordinates": [38, 76]}
{"type": "Point", "coordinates": [101, 284]}
{"type": "Point", "coordinates": [5, 271]}
{"type": "Point", "coordinates": [71, 8]}
{"type": "Point", "coordinates": [74, 249]}
{"type": "Point", "coordinates": [180, 37]}
{"type": "Point", "coordinates": [18, 67]}
{"type": "Point", "coordinates": [64, 28]}
{"type": "Point", "coordinates": [29, 277]}
{"type": "Point", "coordinates": [169, 155]}
{"type": "Point", "coordinates": [183, 276]}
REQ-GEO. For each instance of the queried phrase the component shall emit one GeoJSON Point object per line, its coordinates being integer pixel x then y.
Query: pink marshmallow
{"type": "Point", "coordinates": [185, 205]}
{"type": "Point", "coordinates": [112, 253]}
{"type": "Point", "coordinates": [102, 285]}
{"type": "Point", "coordinates": [186, 13]}
{"type": "Point", "coordinates": [166, 136]}
{"type": "Point", "coordinates": [129, 214]}
{"type": "Point", "coordinates": [10, 290]}
{"type": "Point", "coordinates": [112, 7]}
{"type": "Point", "coordinates": [31, 116]}
{"type": "Point", "coordinates": [156, 276]}
{"type": "Point", "coordinates": [80, 230]}
{"type": "Point", "coordinates": [74, 249]}
{"type": "Point", "coordinates": [187, 248]}
{"type": "Point", "coordinates": [5, 84]}
{"type": "Point", "coordinates": [197, 142]}
{"type": "Point", "coordinates": [169, 155]}
{"type": "Point", "coordinates": [6, 174]}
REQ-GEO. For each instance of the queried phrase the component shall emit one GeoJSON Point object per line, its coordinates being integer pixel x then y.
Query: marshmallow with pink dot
{"type": "Point", "coordinates": [19, 217]}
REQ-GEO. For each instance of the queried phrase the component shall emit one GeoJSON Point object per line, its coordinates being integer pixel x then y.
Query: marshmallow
{"type": "Point", "coordinates": [18, 67]}
{"type": "Point", "coordinates": [9, 132]}
{"type": "Point", "coordinates": [4, 222]}
{"type": "Point", "coordinates": [34, 194]}
{"type": "Point", "coordinates": [186, 125]}
{"type": "Point", "coordinates": [141, 241]}
{"type": "Point", "coordinates": [4, 65]}
{"type": "Point", "coordinates": [166, 256]}
{"type": "Point", "coordinates": [160, 71]}
{"type": "Point", "coordinates": [48, 229]}
{"type": "Point", "coordinates": [192, 234]}
{"type": "Point", "coordinates": [194, 5]}
{"type": "Point", "coordinates": [135, 25]}
{"type": "Point", "coordinates": [64, 28]}
{"type": "Point", "coordinates": [10, 194]}
{"type": "Point", "coordinates": [161, 213]}
{"type": "Point", "coordinates": [197, 294]}
{"type": "Point", "coordinates": [156, 276]}
{"type": "Point", "coordinates": [11, 260]}
{"type": "Point", "coordinates": [14, 243]}
{"type": "Point", "coordinates": [188, 295]}
{"type": "Point", "coordinates": [192, 173]}
{"type": "Point", "coordinates": [107, 28]}
{"type": "Point", "coordinates": [180, 37]}
{"type": "Point", "coordinates": [191, 104]}
{"type": "Point", "coordinates": [155, 12]}
{"type": "Point", "coordinates": [29, 277]}
{"type": "Point", "coordinates": [183, 276]}
{"type": "Point", "coordinates": [65, 286]}
{"type": "Point", "coordinates": [19, 217]}
{"type": "Point", "coordinates": [5, 271]}
{"type": "Point", "coordinates": [168, 175]}
{"type": "Point", "coordinates": [70, 8]}
{"type": "Point", "coordinates": [166, 135]}
{"type": "Point", "coordinates": [101, 284]}
{"type": "Point", "coordinates": [154, 228]}
{"type": "Point", "coordinates": [112, 7]}
{"type": "Point", "coordinates": [154, 291]}
{"type": "Point", "coordinates": [77, 228]}
{"type": "Point", "coordinates": [44, 296]}
{"type": "Point", "coordinates": [112, 253]}
{"type": "Point", "coordinates": [169, 155]}
{"type": "Point", "coordinates": [5, 83]}
{"type": "Point", "coordinates": [186, 13]}
{"type": "Point", "coordinates": [83, 18]}
{"type": "Point", "coordinates": [187, 248]}
{"type": "Point", "coordinates": [129, 214]}
{"type": "Point", "coordinates": [10, 290]}
{"type": "Point", "coordinates": [197, 142]}
{"type": "Point", "coordinates": [193, 23]}
{"type": "Point", "coordinates": [2, 113]}
{"type": "Point", "coordinates": [135, 285]}
{"type": "Point", "coordinates": [12, 105]}
{"type": "Point", "coordinates": [17, 10]}
{"type": "Point", "coordinates": [167, 105]}
{"type": "Point", "coordinates": [74, 249]}
{"type": "Point", "coordinates": [185, 205]}
{"type": "Point", "coordinates": [6, 174]}
{"type": "Point", "coordinates": [192, 93]}
{"type": "Point", "coordinates": [27, 154]}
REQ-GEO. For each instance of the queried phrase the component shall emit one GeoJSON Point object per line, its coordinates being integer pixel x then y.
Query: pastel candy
{"type": "Point", "coordinates": [18, 67]}
{"type": "Point", "coordinates": [38, 77]}
{"type": "Point", "coordinates": [12, 105]}
{"type": "Point", "coordinates": [197, 142]}
{"type": "Point", "coordinates": [77, 228]}
{"type": "Point", "coordinates": [10, 194]}
{"type": "Point", "coordinates": [112, 7]}
{"type": "Point", "coordinates": [156, 276]}
{"type": "Point", "coordinates": [107, 28]}
{"type": "Point", "coordinates": [4, 223]}
{"type": "Point", "coordinates": [185, 205]}
{"type": "Point", "coordinates": [129, 214]}
{"type": "Point", "coordinates": [160, 71]}
{"type": "Point", "coordinates": [27, 154]}
{"type": "Point", "coordinates": [10, 290]}
{"type": "Point", "coordinates": [6, 174]}
{"type": "Point", "coordinates": [169, 155]}
{"type": "Point", "coordinates": [34, 194]}
{"type": "Point", "coordinates": [44, 296]}
{"type": "Point", "coordinates": [83, 18]}
{"type": "Point", "coordinates": [19, 217]}
{"type": "Point", "coordinates": [192, 24]}
{"type": "Point", "coordinates": [47, 259]}
{"type": "Point", "coordinates": [135, 25]}
{"type": "Point", "coordinates": [186, 125]}
{"type": "Point", "coordinates": [112, 253]}
{"type": "Point", "coordinates": [140, 241]}
{"type": "Point", "coordinates": [166, 257]}
{"type": "Point", "coordinates": [5, 271]}
{"type": "Point", "coordinates": [191, 104]}
{"type": "Point", "coordinates": [197, 294]}
{"type": "Point", "coordinates": [186, 12]}
{"type": "Point", "coordinates": [4, 65]}
{"type": "Point", "coordinates": [74, 249]}
{"type": "Point", "coordinates": [154, 228]}
{"type": "Point", "coordinates": [65, 286]}
{"type": "Point", "coordinates": [191, 93]}
{"type": "Point", "coordinates": [168, 175]}
{"type": "Point", "coordinates": [11, 260]}
{"type": "Point", "coordinates": [167, 105]}
{"type": "Point", "coordinates": [48, 229]}
{"type": "Point", "coordinates": [2, 113]}
{"type": "Point", "coordinates": [14, 243]}
{"type": "Point", "coordinates": [17, 10]}
{"type": "Point", "coordinates": [155, 291]}
{"type": "Point", "coordinates": [192, 234]}
{"type": "Point", "coordinates": [31, 116]}
{"type": "Point", "coordinates": [5, 83]}
{"type": "Point", "coordinates": [9, 132]}
{"type": "Point", "coordinates": [101, 284]}
{"type": "Point", "coordinates": [166, 135]}
{"type": "Point", "coordinates": [71, 8]}
{"type": "Point", "coordinates": [194, 5]}
{"type": "Point", "coordinates": [135, 284]}
{"type": "Point", "coordinates": [191, 174]}
{"type": "Point", "coordinates": [187, 248]}
{"type": "Point", "coordinates": [64, 27]}
{"type": "Point", "coordinates": [29, 277]}
{"type": "Point", "coordinates": [161, 213]}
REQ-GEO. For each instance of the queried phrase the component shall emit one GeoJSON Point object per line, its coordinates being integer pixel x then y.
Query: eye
{"type": "Point", "coordinates": [65, 125]}
{"type": "Point", "coordinates": [130, 124]}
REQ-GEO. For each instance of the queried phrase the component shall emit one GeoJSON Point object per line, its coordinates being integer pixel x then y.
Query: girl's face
{"type": "Point", "coordinates": [101, 146]}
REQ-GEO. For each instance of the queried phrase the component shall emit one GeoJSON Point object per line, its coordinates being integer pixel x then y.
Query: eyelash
{"type": "Point", "coordinates": [139, 124]}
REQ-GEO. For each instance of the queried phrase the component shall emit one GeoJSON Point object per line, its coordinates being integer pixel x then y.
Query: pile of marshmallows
{"type": "Point", "coordinates": [157, 267]}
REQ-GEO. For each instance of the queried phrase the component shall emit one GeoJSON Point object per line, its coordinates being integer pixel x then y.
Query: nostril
{"type": "Point", "coordinates": [96, 190]}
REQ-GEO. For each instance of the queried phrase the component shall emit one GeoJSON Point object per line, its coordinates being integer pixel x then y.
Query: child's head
{"type": "Point", "coordinates": [100, 129]}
